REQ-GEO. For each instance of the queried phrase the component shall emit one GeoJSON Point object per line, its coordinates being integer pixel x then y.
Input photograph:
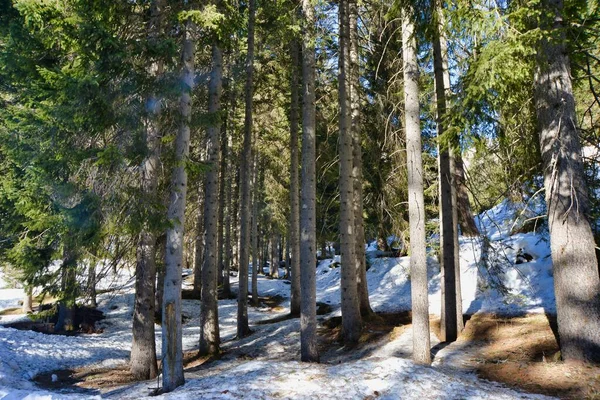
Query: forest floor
{"type": "Point", "coordinates": [519, 351]}
{"type": "Point", "coordinates": [507, 351]}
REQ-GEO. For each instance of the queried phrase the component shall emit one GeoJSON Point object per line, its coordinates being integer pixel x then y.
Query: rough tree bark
{"type": "Point", "coordinates": [92, 284]}
{"type": "Point", "coordinates": [199, 242]}
{"type": "Point", "coordinates": [416, 203]}
{"type": "Point", "coordinates": [28, 301]}
{"type": "Point", "coordinates": [255, 232]}
{"type": "Point", "coordinates": [172, 366]}
{"type": "Point", "coordinates": [576, 281]}
{"type": "Point", "coordinates": [209, 312]}
{"type": "Point", "coordinates": [230, 176]}
{"type": "Point", "coordinates": [354, 85]}
{"type": "Point", "coordinates": [449, 328]}
{"type": "Point", "coordinates": [453, 151]}
{"type": "Point", "coordinates": [66, 305]}
{"type": "Point", "coordinates": [465, 215]}
{"type": "Point", "coordinates": [274, 261]}
{"type": "Point", "coordinates": [294, 194]}
{"type": "Point", "coordinates": [161, 250]}
{"type": "Point", "coordinates": [308, 228]}
{"type": "Point", "coordinates": [245, 179]}
{"type": "Point", "coordinates": [351, 318]}
{"type": "Point", "coordinates": [143, 364]}
{"type": "Point", "coordinates": [221, 217]}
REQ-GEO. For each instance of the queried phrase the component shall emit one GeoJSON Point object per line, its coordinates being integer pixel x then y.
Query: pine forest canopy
{"type": "Point", "coordinates": [225, 135]}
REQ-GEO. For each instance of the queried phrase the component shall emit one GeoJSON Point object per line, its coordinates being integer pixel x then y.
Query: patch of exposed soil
{"type": "Point", "coordinates": [523, 352]}
{"type": "Point", "coordinates": [93, 380]}
{"type": "Point", "coordinates": [84, 317]}
{"type": "Point", "coordinates": [374, 328]}
{"type": "Point", "coordinates": [273, 302]}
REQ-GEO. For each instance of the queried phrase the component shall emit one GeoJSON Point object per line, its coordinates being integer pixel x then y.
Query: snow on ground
{"type": "Point", "coordinates": [491, 282]}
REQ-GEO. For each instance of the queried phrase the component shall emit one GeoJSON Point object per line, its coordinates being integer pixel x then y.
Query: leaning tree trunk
{"type": "Point", "coordinates": [294, 195]}
{"type": "Point", "coordinates": [209, 312]}
{"type": "Point", "coordinates": [172, 367]}
{"type": "Point", "coordinates": [245, 179]}
{"type": "Point", "coordinates": [449, 328]}
{"type": "Point", "coordinates": [354, 85]}
{"type": "Point", "coordinates": [416, 203]}
{"type": "Point", "coordinates": [308, 228]}
{"type": "Point", "coordinates": [576, 281]}
{"type": "Point", "coordinates": [351, 319]}
{"type": "Point", "coordinates": [143, 364]}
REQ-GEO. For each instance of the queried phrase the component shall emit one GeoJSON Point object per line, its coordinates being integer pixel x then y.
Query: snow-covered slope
{"type": "Point", "coordinates": [491, 282]}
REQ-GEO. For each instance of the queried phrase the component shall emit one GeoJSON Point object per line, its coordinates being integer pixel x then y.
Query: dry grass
{"type": "Point", "coordinates": [523, 352]}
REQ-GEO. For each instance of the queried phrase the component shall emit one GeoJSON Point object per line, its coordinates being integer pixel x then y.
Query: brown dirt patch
{"type": "Point", "coordinates": [376, 327]}
{"type": "Point", "coordinates": [523, 352]}
{"type": "Point", "coordinates": [273, 302]}
{"type": "Point", "coordinates": [92, 380]}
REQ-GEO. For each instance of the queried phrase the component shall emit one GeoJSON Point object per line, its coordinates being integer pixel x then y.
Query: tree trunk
{"type": "Point", "coordinates": [209, 312]}
{"type": "Point", "coordinates": [199, 242]}
{"type": "Point", "coordinates": [172, 367]}
{"type": "Point", "coordinates": [143, 364]}
{"type": "Point", "coordinates": [242, 318]}
{"type": "Point", "coordinates": [465, 215]}
{"type": "Point", "coordinates": [287, 257]}
{"type": "Point", "coordinates": [92, 284]}
{"type": "Point", "coordinates": [308, 228]}
{"type": "Point", "coordinates": [576, 281]}
{"type": "Point", "coordinates": [294, 194]}
{"type": "Point", "coordinates": [66, 305]}
{"type": "Point", "coordinates": [235, 226]}
{"type": "Point", "coordinates": [161, 246]}
{"type": "Point", "coordinates": [221, 218]}
{"type": "Point", "coordinates": [351, 319]}
{"type": "Point", "coordinates": [354, 85]}
{"type": "Point", "coordinates": [274, 262]}
{"type": "Point", "coordinates": [449, 328]}
{"type": "Point", "coordinates": [28, 301]}
{"type": "Point", "coordinates": [255, 233]}
{"type": "Point", "coordinates": [228, 219]}
{"type": "Point", "coordinates": [416, 203]}
{"type": "Point", "coordinates": [454, 150]}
